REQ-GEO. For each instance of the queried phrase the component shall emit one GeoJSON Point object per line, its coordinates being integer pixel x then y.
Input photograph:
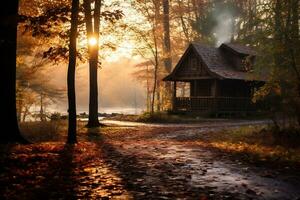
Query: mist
{"type": "Point", "coordinates": [117, 88]}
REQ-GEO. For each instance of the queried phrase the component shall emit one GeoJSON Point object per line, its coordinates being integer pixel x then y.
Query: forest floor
{"type": "Point", "coordinates": [223, 160]}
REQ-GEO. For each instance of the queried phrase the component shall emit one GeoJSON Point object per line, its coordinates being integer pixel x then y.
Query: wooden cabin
{"type": "Point", "coordinates": [220, 79]}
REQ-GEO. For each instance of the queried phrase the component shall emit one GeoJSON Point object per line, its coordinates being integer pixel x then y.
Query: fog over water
{"type": "Point", "coordinates": [118, 90]}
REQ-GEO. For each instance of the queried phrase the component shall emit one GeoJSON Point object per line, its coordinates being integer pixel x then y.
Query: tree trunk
{"type": "Point", "coordinates": [41, 108]}
{"type": "Point", "coordinates": [19, 108]}
{"type": "Point", "coordinates": [278, 35]}
{"type": "Point", "coordinates": [93, 60]}
{"type": "Point", "coordinates": [167, 47]}
{"type": "Point", "coordinates": [154, 87]}
{"type": "Point", "coordinates": [25, 113]}
{"type": "Point", "coordinates": [71, 74]}
{"type": "Point", "coordinates": [8, 44]}
{"type": "Point", "coordinates": [167, 40]}
{"type": "Point", "coordinates": [158, 100]}
{"type": "Point", "coordinates": [295, 48]}
{"type": "Point", "coordinates": [148, 90]}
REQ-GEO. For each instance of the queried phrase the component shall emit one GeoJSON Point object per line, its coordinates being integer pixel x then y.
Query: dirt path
{"type": "Point", "coordinates": [174, 169]}
{"type": "Point", "coordinates": [138, 162]}
{"type": "Point", "coordinates": [214, 123]}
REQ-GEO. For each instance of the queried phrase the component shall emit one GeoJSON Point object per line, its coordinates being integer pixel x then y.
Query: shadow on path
{"type": "Point", "coordinates": [59, 180]}
{"type": "Point", "coordinates": [143, 176]}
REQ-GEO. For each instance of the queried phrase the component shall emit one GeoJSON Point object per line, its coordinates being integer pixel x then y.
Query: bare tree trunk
{"type": "Point", "coordinates": [148, 89]}
{"type": "Point", "coordinates": [19, 109]}
{"type": "Point", "coordinates": [93, 60]}
{"type": "Point", "coordinates": [41, 108]}
{"type": "Point", "coordinates": [167, 47]}
{"type": "Point", "coordinates": [8, 45]}
{"type": "Point", "coordinates": [25, 113]}
{"type": "Point", "coordinates": [71, 74]}
{"type": "Point", "coordinates": [294, 47]}
{"type": "Point", "coordinates": [158, 99]}
{"type": "Point", "coordinates": [154, 87]}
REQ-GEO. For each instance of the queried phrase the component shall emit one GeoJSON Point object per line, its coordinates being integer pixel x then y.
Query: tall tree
{"type": "Point", "coordinates": [93, 32]}
{"type": "Point", "coordinates": [71, 73]}
{"type": "Point", "coordinates": [167, 40]}
{"type": "Point", "coordinates": [167, 46]}
{"type": "Point", "coordinates": [8, 45]}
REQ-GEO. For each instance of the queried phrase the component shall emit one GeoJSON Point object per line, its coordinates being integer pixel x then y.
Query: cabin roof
{"type": "Point", "coordinates": [216, 62]}
{"type": "Point", "coordinates": [238, 48]}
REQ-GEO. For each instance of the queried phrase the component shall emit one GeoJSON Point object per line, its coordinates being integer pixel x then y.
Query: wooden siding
{"type": "Point", "coordinates": [192, 67]}
{"type": "Point", "coordinates": [201, 88]}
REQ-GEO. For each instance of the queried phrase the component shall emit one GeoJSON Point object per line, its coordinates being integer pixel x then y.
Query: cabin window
{"type": "Point", "coordinates": [183, 89]}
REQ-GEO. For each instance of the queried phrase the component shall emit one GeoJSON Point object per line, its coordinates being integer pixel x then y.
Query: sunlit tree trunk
{"type": "Point", "coordinates": [167, 40]}
{"type": "Point", "coordinates": [167, 49]}
{"type": "Point", "coordinates": [8, 44]}
{"type": "Point", "coordinates": [71, 74]}
{"type": "Point", "coordinates": [93, 59]}
{"type": "Point", "coordinates": [148, 89]}
{"type": "Point", "coordinates": [155, 84]}
{"type": "Point", "coordinates": [158, 99]}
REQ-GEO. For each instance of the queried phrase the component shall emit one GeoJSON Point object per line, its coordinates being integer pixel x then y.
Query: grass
{"type": "Point", "coordinates": [251, 143]}
{"type": "Point", "coordinates": [255, 144]}
{"type": "Point", "coordinates": [165, 117]}
{"type": "Point", "coordinates": [171, 117]}
{"type": "Point", "coordinates": [44, 131]}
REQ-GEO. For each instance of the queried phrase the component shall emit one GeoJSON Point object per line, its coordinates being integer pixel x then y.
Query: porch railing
{"type": "Point", "coordinates": [219, 104]}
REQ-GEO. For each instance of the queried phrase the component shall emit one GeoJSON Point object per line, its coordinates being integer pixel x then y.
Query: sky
{"type": "Point", "coordinates": [118, 90]}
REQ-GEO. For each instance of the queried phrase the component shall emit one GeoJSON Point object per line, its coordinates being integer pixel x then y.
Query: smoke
{"type": "Point", "coordinates": [224, 29]}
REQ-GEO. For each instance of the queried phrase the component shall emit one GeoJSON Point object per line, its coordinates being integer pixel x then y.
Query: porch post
{"type": "Point", "coordinates": [214, 88]}
{"type": "Point", "coordinates": [195, 88]}
{"type": "Point", "coordinates": [214, 95]}
{"type": "Point", "coordinates": [174, 96]}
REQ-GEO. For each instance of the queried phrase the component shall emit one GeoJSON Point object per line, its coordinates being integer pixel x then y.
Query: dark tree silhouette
{"type": "Point", "coordinates": [93, 31]}
{"type": "Point", "coordinates": [71, 73]}
{"type": "Point", "coordinates": [167, 44]}
{"type": "Point", "coordinates": [8, 45]}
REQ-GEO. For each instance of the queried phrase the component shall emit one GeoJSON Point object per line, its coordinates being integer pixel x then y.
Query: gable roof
{"type": "Point", "coordinates": [216, 62]}
{"type": "Point", "coordinates": [239, 49]}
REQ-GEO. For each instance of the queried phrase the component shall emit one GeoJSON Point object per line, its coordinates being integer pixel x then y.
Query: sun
{"type": "Point", "coordinates": [92, 41]}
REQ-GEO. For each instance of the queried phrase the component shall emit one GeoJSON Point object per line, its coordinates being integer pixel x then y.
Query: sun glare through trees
{"type": "Point", "coordinates": [92, 41]}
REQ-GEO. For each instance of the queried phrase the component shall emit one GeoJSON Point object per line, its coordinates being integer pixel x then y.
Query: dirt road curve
{"type": "Point", "coordinates": [169, 167]}
{"type": "Point", "coordinates": [127, 160]}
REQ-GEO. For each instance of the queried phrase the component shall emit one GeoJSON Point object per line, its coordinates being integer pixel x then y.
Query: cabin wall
{"type": "Point", "coordinates": [192, 67]}
{"type": "Point", "coordinates": [235, 60]}
{"type": "Point", "coordinates": [220, 88]}
{"type": "Point", "coordinates": [201, 88]}
{"type": "Point", "coordinates": [234, 88]}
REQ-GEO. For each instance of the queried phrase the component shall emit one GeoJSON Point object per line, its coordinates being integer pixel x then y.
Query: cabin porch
{"type": "Point", "coordinates": [213, 96]}
{"type": "Point", "coordinates": [213, 104]}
